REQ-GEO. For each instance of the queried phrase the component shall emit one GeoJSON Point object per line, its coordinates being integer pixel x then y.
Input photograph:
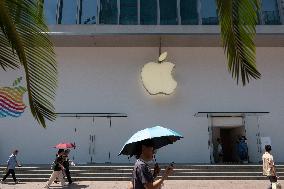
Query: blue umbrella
{"type": "Point", "coordinates": [160, 137]}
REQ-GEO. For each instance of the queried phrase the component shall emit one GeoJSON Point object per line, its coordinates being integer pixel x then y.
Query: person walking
{"type": "Point", "coordinates": [11, 165]}
{"type": "Point", "coordinates": [268, 166]}
{"type": "Point", "coordinates": [142, 177]}
{"type": "Point", "coordinates": [66, 165]}
{"type": "Point", "coordinates": [57, 170]}
{"type": "Point", "coordinates": [53, 163]}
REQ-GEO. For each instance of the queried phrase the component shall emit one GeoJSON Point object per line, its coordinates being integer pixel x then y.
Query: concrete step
{"type": "Point", "coordinates": [129, 166]}
{"type": "Point", "coordinates": [26, 175]}
{"type": "Point", "coordinates": [130, 170]}
{"type": "Point", "coordinates": [121, 172]}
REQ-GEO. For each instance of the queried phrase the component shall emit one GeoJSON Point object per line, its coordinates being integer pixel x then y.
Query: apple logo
{"type": "Point", "coordinates": [11, 100]}
{"type": "Point", "coordinates": [157, 76]}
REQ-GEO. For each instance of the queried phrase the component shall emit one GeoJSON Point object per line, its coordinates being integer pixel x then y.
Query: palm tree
{"type": "Point", "coordinates": [238, 19]}
{"type": "Point", "coordinates": [24, 43]}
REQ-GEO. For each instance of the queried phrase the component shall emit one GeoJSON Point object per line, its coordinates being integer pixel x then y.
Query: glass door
{"type": "Point", "coordinates": [253, 138]}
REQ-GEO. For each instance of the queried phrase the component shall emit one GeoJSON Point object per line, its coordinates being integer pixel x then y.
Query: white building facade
{"type": "Point", "coordinates": [101, 47]}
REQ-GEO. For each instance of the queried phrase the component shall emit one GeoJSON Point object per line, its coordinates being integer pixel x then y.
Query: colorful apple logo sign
{"type": "Point", "coordinates": [11, 100]}
{"type": "Point", "coordinates": [157, 76]}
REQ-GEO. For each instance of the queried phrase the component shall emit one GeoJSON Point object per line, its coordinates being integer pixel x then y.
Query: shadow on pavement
{"type": "Point", "coordinates": [72, 186]}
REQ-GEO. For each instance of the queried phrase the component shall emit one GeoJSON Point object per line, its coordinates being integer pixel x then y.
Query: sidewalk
{"type": "Point", "coordinates": [189, 184]}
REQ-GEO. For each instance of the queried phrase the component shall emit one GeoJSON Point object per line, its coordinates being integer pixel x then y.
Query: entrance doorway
{"type": "Point", "coordinates": [248, 125]}
{"type": "Point", "coordinates": [229, 137]}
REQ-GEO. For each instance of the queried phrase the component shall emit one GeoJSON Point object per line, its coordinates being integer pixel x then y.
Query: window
{"type": "Point", "coordinates": [270, 13]}
{"type": "Point", "coordinates": [88, 12]}
{"type": "Point", "coordinates": [148, 12]}
{"type": "Point", "coordinates": [108, 11]}
{"type": "Point", "coordinates": [50, 9]}
{"type": "Point", "coordinates": [128, 12]}
{"type": "Point", "coordinates": [168, 12]}
{"type": "Point", "coordinates": [209, 12]}
{"type": "Point", "coordinates": [188, 12]}
{"type": "Point", "coordinates": [68, 12]}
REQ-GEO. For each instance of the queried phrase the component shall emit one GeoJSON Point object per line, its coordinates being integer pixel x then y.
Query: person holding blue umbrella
{"type": "Point", "coordinates": [143, 145]}
{"type": "Point", "coordinates": [142, 177]}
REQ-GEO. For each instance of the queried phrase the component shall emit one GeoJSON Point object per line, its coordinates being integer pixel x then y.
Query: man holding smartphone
{"type": "Point", "coordinates": [142, 177]}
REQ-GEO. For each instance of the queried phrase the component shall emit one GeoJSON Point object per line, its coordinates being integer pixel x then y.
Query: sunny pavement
{"type": "Point", "coordinates": [188, 184]}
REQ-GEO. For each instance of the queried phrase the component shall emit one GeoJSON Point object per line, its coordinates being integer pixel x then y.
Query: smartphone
{"type": "Point", "coordinates": [172, 164]}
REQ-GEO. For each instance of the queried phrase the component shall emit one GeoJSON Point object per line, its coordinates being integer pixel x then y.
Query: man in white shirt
{"type": "Point", "coordinates": [268, 165]}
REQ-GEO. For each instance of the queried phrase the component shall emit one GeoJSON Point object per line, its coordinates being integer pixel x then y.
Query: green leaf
{"type": "Point", "coordinates": [238, 21]}
{"type": "Point", "coordinates": [17, 81]}
{"type": "Point", "coordinates": [24, 41]}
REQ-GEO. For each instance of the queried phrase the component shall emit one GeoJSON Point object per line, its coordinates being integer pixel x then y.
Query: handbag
{"type": "Point", "coordinates": [276, 185]}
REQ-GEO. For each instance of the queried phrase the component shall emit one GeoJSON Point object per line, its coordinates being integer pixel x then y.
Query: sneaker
{"type": "Point", "coordinates": [46, 186]}
{"type": "Point", "coordinates": [17, 182]}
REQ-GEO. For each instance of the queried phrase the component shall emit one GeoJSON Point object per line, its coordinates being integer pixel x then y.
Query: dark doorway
{"type": "Point", "coordinates": [229, 137]}
{"type": "Point", "coordinates": [228, 145]}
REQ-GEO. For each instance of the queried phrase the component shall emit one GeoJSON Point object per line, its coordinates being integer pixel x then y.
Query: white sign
{"type": "Point", "coordinates": [265, 141]}
{"type": "Point", "coordinates": [157, 76]}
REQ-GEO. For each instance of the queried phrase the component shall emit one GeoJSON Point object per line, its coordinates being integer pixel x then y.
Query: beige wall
{"type": "Point", "coordinates": [108, 80]}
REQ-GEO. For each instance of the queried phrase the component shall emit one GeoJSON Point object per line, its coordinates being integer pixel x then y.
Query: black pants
{"type": "Point", "coordinates": [68, 175]}
{"type": "Point", "coordinates": [10, 171]}
{"type": "Point", "coordinates": [272, 179]}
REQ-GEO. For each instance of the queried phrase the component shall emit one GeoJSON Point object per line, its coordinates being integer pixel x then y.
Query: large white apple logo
{"type": "Point", "coordinates": [157, 76]}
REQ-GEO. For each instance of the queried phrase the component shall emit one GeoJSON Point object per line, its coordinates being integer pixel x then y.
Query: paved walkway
{"type": "Point", "coordinates": [191, 184]}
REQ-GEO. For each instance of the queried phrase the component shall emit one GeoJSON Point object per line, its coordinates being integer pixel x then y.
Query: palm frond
{"type": "Point", "coordinates": [10, 40]}
{"type": "Point", "coordinates": [8, 59]}
{"type": "Point", "coordinates": [23, 26]}
{"type": "Point", "coordinates": [238, 21]}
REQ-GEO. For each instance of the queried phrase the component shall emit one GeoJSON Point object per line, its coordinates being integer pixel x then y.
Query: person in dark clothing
{"type": "Point", "coordinates": [11, 165]}
{"type": "Point", "coordinates": [242, 149]}
{"type": "Point", "coordinates": [66, 165]}
{"type": "Point", "coordinates": [142, 177]}
{"type": "Point", "coordinates": [58, 152]}
{"type": "Point", "coordinates": [57, 170]}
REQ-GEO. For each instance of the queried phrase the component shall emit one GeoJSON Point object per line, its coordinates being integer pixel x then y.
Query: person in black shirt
{"type": "Point", "coordinates": [59, 151]}
{"type": "Point", "coordinates": [66, 166]}
{"type": "Point", "coordinates": [142, 177]}
{"type": "Point", "coordinates": [57, 170]}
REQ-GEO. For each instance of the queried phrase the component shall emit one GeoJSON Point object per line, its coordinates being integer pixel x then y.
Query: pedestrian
{"type": "Point", "coordinates": [11, 165]}
{"type": "Point", "coordinates": [142, 177]}
{"type": "Point", "coordinates": [243, 149]}
{"type": "Point", "coordinates": [220, 152]}
{"type": "Point", "coordinates": [57, 170]}
{"type": "Point", "coordinates": [66, 165]}
{"type": "Point", "coordinates": [269, 166]}
{"type": "Point", "coordinates": [53, 163]}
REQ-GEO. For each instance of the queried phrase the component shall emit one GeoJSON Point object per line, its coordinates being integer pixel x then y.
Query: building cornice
{"type": "Point", "coordinates": [150, 36]}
